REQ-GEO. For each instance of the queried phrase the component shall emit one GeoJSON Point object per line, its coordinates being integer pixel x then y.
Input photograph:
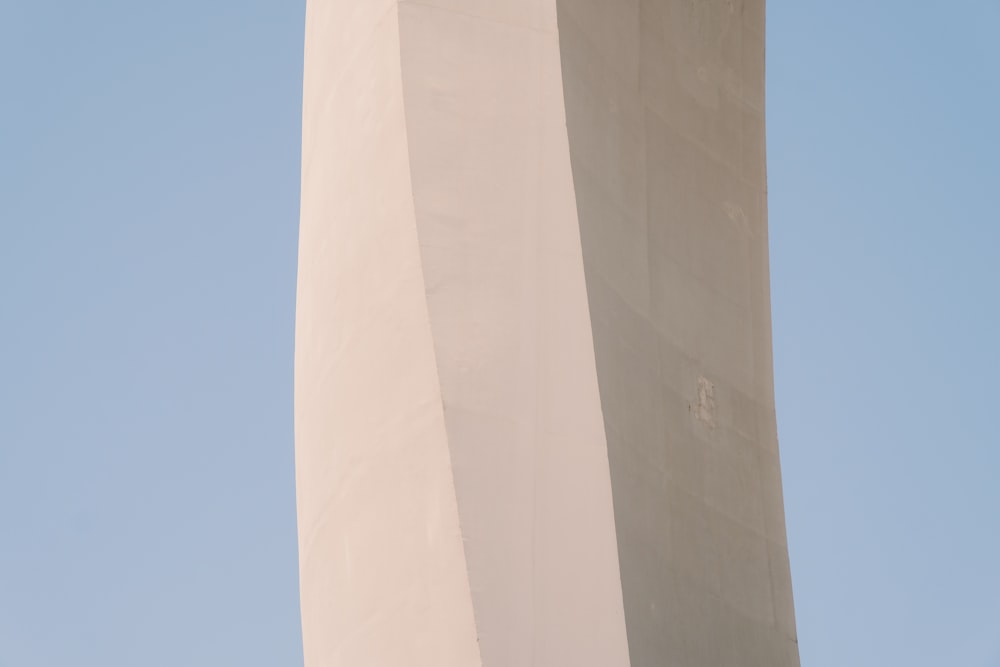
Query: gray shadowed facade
{"type": "Point", "coordinates": [534, 394]}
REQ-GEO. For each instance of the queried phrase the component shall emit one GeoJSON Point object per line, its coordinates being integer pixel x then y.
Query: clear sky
{"type": "Point", "coordinates": [148, 209]}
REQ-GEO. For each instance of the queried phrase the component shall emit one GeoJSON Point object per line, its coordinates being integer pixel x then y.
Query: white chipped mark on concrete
{"type": "Point", "coordinates": [737, 215]}
{"type": "Point", "coordinates": [710, 20]}
{"type": "Point", "coordinates": [704, 408]}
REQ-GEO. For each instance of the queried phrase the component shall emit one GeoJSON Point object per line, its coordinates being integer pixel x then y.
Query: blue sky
{"type": "Point", "coordinates": [148, 210]}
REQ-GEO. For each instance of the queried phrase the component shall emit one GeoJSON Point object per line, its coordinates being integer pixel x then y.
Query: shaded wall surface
{"type": "Point", "coordinates": [534, 403]}
{"type": "Point", "coordinates": [665, 112]}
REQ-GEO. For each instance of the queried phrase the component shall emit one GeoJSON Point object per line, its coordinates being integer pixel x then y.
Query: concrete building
{"type": "Point", "coordinates": [534, 396]}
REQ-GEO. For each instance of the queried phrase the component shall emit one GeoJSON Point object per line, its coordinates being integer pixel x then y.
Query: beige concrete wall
{"type": "Point", "coordinates": [534, 403]}
{"type": "Point", "coordinates": [665, 109]}
{"type": "Point", "coordinates": [497, 223]}
{"type": "Point", "coordinates": [381, 556]}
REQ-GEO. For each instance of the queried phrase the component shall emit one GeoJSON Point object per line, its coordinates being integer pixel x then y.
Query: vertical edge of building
{"type": "Point", "coordinates": [381, 560]}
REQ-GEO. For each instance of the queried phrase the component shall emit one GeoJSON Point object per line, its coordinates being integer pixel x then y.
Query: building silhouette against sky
{"type": "Point", "coordinates": [534, 395]}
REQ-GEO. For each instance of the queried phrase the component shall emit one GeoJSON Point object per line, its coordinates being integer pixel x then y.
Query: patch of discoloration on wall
{"type": "Point", "coordinates": [704, 408]}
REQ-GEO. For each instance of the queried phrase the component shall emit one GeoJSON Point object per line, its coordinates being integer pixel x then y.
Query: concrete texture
{"type": "Point", "coordinates": [534, 403]}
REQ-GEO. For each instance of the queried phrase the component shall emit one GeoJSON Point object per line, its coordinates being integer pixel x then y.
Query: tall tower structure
{"type": "Point", "coordinates": [534, 403]}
